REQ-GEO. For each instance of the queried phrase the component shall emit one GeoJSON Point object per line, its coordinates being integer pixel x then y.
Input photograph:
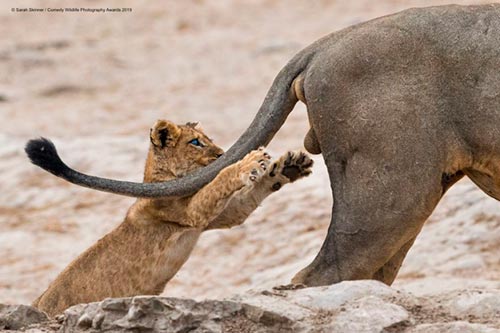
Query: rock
{"type": "Point", "coordinates": [453, 327]}
{"type": "Point", "coordinates": [479, 304]}
{"type": "Point", "coordinates": [330, 298]}
{"type": "Point", "coordinates": [148, 313]}
{"type": "Point", "coordinates": [272, 301]}
{"type": "Point", "coordinates": [368, 314]}
{"type": "Point", "coordinates": [15, 317]}
{"type": "Point", "coordinates": [350, 306]}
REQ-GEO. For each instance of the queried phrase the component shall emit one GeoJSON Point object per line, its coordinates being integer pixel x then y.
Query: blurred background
{"type": "Point", "coordinates": [95, 83]}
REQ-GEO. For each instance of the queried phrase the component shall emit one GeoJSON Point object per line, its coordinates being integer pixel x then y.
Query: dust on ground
{"type": "Point", "coordinates": [95, 83]}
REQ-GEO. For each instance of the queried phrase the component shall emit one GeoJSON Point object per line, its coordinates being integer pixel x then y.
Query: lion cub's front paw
{"type": "Point", "coordinates": [292, 165]}
{"type": "Point", "coordinates": [253, 166]}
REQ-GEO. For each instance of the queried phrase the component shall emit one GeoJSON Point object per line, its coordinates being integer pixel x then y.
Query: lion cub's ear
{"type": "Point", "coordinates": [195, 126]}
{"type": "Point", "coordinates": [164, 134]}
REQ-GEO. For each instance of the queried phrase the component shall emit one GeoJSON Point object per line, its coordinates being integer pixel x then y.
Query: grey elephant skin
{"type": "Point", "coordinates": [401, 107]}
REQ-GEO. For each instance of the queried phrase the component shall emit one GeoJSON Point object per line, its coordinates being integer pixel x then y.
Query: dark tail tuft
{"type": "Point", "coordinates": [43, 153]}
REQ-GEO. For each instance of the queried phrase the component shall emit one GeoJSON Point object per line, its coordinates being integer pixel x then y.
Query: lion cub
{"type": "Point", "coordinates": [157, 236]}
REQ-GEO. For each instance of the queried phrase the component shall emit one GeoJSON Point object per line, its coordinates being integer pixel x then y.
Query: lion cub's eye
{"type": "Point", "coordinates": [196, 142]}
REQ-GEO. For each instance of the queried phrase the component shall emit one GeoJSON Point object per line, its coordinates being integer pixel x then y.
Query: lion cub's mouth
{"type": "Point", "coordinates": [206, 160]}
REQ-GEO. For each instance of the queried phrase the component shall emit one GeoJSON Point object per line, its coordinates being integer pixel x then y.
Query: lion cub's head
{"type": "Point", "coordinates": [177, 150]}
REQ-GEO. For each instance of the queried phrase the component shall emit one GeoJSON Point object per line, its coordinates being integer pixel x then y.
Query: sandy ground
{"type": "Point", "coordinates": [94, 83]}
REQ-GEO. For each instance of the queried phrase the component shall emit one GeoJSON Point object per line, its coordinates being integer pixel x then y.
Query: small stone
{"type": "Point", "coordinates": [84, 321]}
{"type": "Point", "coordinates": [97, 321]}
{"type": "Point", "coordinates": [114, 304]}
{"type": "Point", "coordinates": [135, 313]}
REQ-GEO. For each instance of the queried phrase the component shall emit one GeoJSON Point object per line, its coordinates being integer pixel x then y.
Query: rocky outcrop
{"type": "Point", "coordinates": [161, 314]}
{"type": "Point", "coordinates": [351, 306]}
{"type": "Point", "coordinates": [16, 317]}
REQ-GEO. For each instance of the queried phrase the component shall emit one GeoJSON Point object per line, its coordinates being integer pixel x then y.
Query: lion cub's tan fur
{"type": "Point", "coordinates": [157, 236]}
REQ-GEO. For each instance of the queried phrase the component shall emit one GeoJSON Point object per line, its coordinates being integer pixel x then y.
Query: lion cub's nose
{"type": "Point", "coordinates": [219, 155]}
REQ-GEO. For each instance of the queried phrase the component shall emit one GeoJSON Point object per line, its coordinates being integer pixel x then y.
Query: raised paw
{"type": "Point", "coordinates": [292, 165]}
{"type": "Point", "coordinates": [253, 166]}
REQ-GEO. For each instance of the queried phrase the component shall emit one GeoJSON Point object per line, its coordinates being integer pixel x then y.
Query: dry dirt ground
{"type": "Point", "coordinates": [95, 82]}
